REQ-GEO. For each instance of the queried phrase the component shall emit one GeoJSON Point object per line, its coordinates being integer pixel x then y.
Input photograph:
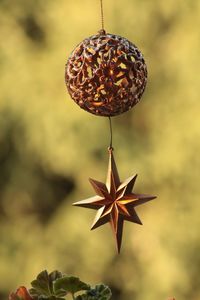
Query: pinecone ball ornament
{"type": "Point", "coordinates": [106, 74]}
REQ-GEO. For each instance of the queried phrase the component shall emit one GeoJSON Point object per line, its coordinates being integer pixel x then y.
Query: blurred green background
{"type": "Point", "coordinates": [49, 147]}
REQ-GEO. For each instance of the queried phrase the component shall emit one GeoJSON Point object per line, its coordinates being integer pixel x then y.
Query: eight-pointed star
{"type": "Point", "coordinates": [114, 201]}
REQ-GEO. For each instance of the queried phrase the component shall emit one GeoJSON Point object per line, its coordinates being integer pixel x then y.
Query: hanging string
{"type": "Point", "coordinates": [103, 30]}
{"type": "Point", "coordinates": [102, 15]}
{"type": "Point", "coordinates": [111, 135]}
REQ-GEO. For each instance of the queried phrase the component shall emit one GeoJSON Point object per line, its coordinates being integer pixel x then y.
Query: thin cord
{"type": "Point", "coordinates": [102, 15]}
{"type": "Point", "coordinates": [111, 134]}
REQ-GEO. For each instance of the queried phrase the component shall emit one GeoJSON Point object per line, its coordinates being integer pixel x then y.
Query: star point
{"type": "Point", "coordinates": [114, 201]}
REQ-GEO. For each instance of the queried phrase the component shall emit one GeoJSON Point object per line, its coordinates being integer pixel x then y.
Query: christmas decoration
{"type": "Point", "coordinates": [115, 201]}
{"type": "Point", "coordinates": [106, 75]}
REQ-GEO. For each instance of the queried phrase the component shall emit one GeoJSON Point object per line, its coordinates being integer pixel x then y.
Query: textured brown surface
{"type": "Point", "coordinates": [106, 74]}
{"type": "Point", "coordinates": [115, 201]}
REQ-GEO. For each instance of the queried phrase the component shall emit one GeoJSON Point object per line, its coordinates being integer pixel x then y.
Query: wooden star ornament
{"type": "Point", "coordinates": [114, 201]}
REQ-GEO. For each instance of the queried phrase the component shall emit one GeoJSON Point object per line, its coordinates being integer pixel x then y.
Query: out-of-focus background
{"type": "Point", "coordinates": [49, 147]}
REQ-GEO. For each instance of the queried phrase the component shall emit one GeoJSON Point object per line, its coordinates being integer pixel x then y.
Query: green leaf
{"type": "Point", "coordinates": [102, 291]}
{"type": "Point", "coordinates": [99, 292]}
{"type": "Point", "coordinates": [43, 285]}
{"type": "Point", "coordinates": [70, 284]}
{"type": "Point", "coordinates": [53, 276]}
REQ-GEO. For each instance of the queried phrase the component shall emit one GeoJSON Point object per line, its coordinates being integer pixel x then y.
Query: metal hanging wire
{"type": "Point", "coordinates": [110, 121]}
{"type": "Point", "coordinates": [111, 134]}
{"type": "Point", "coordinates": [102, 15]}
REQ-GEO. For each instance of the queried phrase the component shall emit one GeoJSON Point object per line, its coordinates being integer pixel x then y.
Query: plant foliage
{"type": "Point", "coordinates": [57, 286]}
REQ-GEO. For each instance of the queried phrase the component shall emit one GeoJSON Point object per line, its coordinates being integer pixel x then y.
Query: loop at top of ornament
{"type": "Point", "coordinates": [106, 74]}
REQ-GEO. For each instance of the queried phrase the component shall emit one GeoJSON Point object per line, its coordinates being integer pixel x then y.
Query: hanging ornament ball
{"type": "Point", "coordinates": [106, 74]}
